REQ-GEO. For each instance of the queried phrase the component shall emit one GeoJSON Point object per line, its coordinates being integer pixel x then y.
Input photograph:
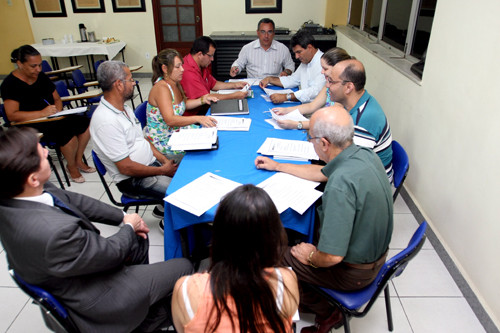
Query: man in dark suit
{"type": "Point", "coordinates": [105, 283]}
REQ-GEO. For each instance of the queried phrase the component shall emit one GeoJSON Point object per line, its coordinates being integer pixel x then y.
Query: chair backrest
{"type": "Point", "coordinates": [49, 305]}
{"type": "Point", "coordinates": [62, 90]}
{"type": "Point", "coordinates": [140, 113]}
{"type": "Point", "coordinates": [400, 165]}
{"type": "Point", "coordinates": [79, 81]}
{"type": "Point", "coordinates": [101, 171]}
{"type": "Point", "coordinates": [4, 115]}
{"type": "Point", "coordinates": [46, 67]}
{"type": "Point", "coordinates": [97, 64]}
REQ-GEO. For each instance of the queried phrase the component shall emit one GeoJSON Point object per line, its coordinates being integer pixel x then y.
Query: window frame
{"type": "Point", "coordinates": [412, 26]}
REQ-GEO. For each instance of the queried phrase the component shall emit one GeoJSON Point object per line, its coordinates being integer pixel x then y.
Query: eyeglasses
{"type": "Point", "coordinates": [128, 80]}
{"type": "Point", "coordinates": [332, 82]}
{"type": "Point", "coordinates": [310, 138]}
{"type": "Point", "coordinates": [211, 56]}
{"type": "Point", "coordinates": [264, 32]}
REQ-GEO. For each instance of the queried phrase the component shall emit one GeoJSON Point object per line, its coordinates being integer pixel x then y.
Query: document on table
{"type": "Point", "coordinates": [288, 191]}
{"type": "Point", "coordinates": [270, 92]}
{"type": "Point", "coordinates": [230, 91]}
{"type": "Point", "coordinates": [193, 139]}
{"type": "Point", "coordinates": [202, 193]}
{"type": "Point", "coordinates": [251, 81]}
{"type": "Point", "coordinates": [294, 115]}
{"type": "Point", "coordinates": [68, 112]}
{"type": "Point", "coordinates": [232, 123]}
{"type": "Point", "coordinates": [288, 149]}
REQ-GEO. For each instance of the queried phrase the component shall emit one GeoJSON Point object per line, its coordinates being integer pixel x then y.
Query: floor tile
{"type": "Point", "coordinates": [5, 279]}
{"type": "Point", "coordinates": [29, 320]}
{"type": "Point", "coordinates": [425, 276]}
{"type": "Point", "coordinates": [400, 206]}
{"type": "Point", "coordinates": [405, 226]}
{"type": "Point", "coordinates": [13, 300]}
{"type": "Point", "coordinates": [444, 315]}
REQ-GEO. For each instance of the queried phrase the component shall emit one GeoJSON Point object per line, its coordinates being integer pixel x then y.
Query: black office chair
{"type": "Point", "coordinates": [54, 314]}
{"type": "Point", "coordinates": [350, 303]}
{"type": "Point", "coordinates": [400, 166]}
{"type": "Point", "coordinates": [125, 201]}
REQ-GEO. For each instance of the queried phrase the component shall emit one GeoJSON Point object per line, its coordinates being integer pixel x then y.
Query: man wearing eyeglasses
{"type": "Point", "coordinates": [264, 56]}
{"type": "Point", "coordinates": [197, 80]}
{"type": "Point", "coordinates": [356, 216]}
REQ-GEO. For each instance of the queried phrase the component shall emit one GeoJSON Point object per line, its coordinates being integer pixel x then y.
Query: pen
{"type": "Point", "coordinates": [46, 101]}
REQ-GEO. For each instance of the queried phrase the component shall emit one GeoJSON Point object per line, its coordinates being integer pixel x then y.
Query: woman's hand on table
{"type": "Point", "coordinates": [281, 111]}
{"type": "Point", "coordinates": [207, 121]}
{"type": "Point", "coordinates": [50, 110]}
{"type": "Point", "coordinates": [208, 99]}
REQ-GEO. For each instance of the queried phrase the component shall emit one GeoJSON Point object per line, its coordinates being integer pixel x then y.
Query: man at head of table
{"type": "Point", "coordinates": [264, 56]}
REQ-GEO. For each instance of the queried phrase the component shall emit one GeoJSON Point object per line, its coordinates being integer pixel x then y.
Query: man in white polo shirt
{"type": "Point", "coordinates": [137, 167]}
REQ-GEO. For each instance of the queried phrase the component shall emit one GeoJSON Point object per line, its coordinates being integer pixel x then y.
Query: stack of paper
{"type": "Point", "coordinates": [193, 139]}
{"type": "Point", "coordinates": [230, 91]}
{"type": "Point", "coordinates": [288, 191]}
{"type": "Point", "coordinates": [294, 115]}
{"type": "Point", "coordinates": [202, 193]}
{"type": "Point", "coordinates": [232, 123]}
{"type": "Point", "coordinates": [288, 149]}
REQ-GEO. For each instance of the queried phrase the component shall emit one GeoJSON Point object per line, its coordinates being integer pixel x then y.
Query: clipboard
{"type": "Point", "coordinates": [229, 107]}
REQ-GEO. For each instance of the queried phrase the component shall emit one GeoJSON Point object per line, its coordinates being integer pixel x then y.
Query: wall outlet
{"type": "Point", "coordinates": [147, 55]}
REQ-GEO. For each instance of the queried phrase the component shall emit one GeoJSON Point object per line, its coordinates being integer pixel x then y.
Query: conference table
{"type": "Point", "coordinates": [234, 159]}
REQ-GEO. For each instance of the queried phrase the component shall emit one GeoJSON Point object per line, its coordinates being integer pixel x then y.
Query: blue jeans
{"type": "Point", "coordinates": [153, 187]}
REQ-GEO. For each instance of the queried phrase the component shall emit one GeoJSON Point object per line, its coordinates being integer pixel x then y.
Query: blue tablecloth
{"type": "Point", "coordinates": [233, 160]}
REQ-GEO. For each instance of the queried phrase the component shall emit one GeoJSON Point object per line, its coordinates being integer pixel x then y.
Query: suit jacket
{"type": "Point", "coordinates": [64, 254]}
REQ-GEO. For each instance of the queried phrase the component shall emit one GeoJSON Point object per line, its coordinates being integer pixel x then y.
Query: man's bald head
{"type": "Point", "coordinates": [334, 124]}
{"type": "Point", "coordinates": [351, 70]}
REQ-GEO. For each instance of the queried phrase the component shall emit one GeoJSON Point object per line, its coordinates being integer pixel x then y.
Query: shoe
{"type": "Point", "coordinates": [77, 180]}
{"type": "Point", "coordinates": [88, 170]}
{"type": "Point", "coordinates": [324, 326]}
{"type": "Point", "coordinates": [161, 226]}
{"type": "Point", "coordinates": [158, 213]}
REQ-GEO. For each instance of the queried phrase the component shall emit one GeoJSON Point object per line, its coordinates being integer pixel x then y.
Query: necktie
{"type": "Point", "coordinates": [61, 205]}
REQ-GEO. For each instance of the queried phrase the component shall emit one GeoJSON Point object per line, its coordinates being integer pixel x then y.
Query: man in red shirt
{"type": "Point", "coordinates": [197, 80]}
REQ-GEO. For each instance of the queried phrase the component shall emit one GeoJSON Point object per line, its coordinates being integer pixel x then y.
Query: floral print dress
{"type": "Point", "coordinates": [158, 132]}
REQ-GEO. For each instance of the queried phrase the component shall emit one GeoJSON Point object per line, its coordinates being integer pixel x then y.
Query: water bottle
{"type": "Point", "coordinates": [83, 32]}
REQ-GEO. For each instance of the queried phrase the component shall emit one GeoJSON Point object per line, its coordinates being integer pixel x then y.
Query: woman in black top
{"type": "Point", "coordinates": [29, 94]}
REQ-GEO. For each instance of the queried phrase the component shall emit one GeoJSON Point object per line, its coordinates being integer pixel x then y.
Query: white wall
{"type": "Point", "coordinates": [225, 15]}
{"type": "Point", "coordinates": [450, 127]}
{"type": "Point", "coordinates": [136, 29]}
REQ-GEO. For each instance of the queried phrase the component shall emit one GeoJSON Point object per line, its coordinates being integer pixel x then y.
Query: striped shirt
{"type": "Point", "coordinates": [260, 63]}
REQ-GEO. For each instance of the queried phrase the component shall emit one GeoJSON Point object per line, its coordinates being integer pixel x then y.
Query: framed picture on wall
{"type": "Point", "coordinates": [128, 5]}
{"type": "Point", "coordinates": [48, 8]}
{"type": "Point", "coordinates": [88, 6]}
{"type": "Point", "coordinates": [263, 6]}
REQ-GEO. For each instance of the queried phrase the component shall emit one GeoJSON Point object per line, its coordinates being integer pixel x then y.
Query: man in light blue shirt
{"type": "Point", "coordinates": [307, 77]}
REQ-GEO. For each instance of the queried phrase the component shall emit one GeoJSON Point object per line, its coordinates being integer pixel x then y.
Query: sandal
{"type": "Point", "coordinates": [77, 180]}
{"type": "Point", "coordinates": [88, 170]}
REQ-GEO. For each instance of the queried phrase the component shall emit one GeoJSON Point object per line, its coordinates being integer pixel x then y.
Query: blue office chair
{"type": "Point", "coordinates": [140, 113]}
{"type": "Point", "coordinates": [62, 90]}
{"type": "Point", "coordinates": [125, 201]}
{"type": "Point", "coordinates": [82, 85]}
{"type": "Point", "coordinates": [350, 303]}
{"type": "Point", "coordinates": [43, 143]}
{"type": "Point", "coordinates": [400, 165]}
{"type": "Point", "coordinates": [47, 68]}
{"type": "Point", "coordinates": [54, 314]}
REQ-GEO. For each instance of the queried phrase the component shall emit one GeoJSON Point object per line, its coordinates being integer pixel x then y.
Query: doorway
{"type": "Point", "coordinates": [177, 24]}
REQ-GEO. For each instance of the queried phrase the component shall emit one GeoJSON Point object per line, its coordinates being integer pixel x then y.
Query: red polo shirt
{"type": "Point", "coordinates": [196, 82]}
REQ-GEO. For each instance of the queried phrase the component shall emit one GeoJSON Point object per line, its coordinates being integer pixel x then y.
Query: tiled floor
{"type": "Point", "coordinates": [424, 298]}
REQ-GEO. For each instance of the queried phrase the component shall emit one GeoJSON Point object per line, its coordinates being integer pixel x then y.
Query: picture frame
{"type": "Point", "coordinates": [263, 6]}
{"type": "Point", "coordinates": [128, 6]}
{"type": "Point", "coordinates": [88, 6]}
{"type": "Point", "coordinates": [48, 8]}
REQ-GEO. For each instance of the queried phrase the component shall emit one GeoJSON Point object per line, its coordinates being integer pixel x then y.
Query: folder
{"type": "Point", "coordinates": [229, 107]}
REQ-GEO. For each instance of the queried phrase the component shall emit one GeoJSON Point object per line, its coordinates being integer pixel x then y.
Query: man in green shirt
{"type": "Point", "coordinates": [356, 219]}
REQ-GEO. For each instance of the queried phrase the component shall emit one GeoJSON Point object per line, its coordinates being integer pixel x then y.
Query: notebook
{"type": "Point", "coordinates": [229, 107]}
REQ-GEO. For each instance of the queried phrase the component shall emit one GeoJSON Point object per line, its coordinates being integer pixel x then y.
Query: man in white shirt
{"type": "Point", "coordinates": [137, 167]}
{"type": "Point", "coordinates": [264, 56]}
{"type": "Point", "coordinates": [307, 77]}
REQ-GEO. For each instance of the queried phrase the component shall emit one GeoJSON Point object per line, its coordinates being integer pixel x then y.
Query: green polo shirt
{"type": "Point", "coordinates": [356, 213]}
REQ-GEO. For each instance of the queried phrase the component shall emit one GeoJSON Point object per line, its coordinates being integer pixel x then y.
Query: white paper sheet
{"type": "Point", "coordinates": [288, 191]}
{"type": "Point", "coordinates": [291, 148]}
{"type": "Point", "coordinates": [251, 81]}
{"type": "Point", "coordinates": [192, 139]}
{"type": "Point", "coordinates": [202, 193]}
{"type": "Point", "coordinates": [232, 123]}
{"type": "Point", "coordinates": [68, 112]}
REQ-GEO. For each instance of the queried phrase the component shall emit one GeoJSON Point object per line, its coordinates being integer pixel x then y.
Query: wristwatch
{"type": "Point", "coordinates": [288, 97]}
{"type": "Point", "coordinates": [299, 125]}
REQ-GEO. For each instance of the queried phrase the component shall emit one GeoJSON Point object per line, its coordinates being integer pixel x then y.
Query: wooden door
{"type": "Point", "coordinates": [177, 24]}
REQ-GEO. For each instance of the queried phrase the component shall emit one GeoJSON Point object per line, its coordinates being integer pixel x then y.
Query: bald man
{"type": "Point", "coordinates": [355, 216]}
